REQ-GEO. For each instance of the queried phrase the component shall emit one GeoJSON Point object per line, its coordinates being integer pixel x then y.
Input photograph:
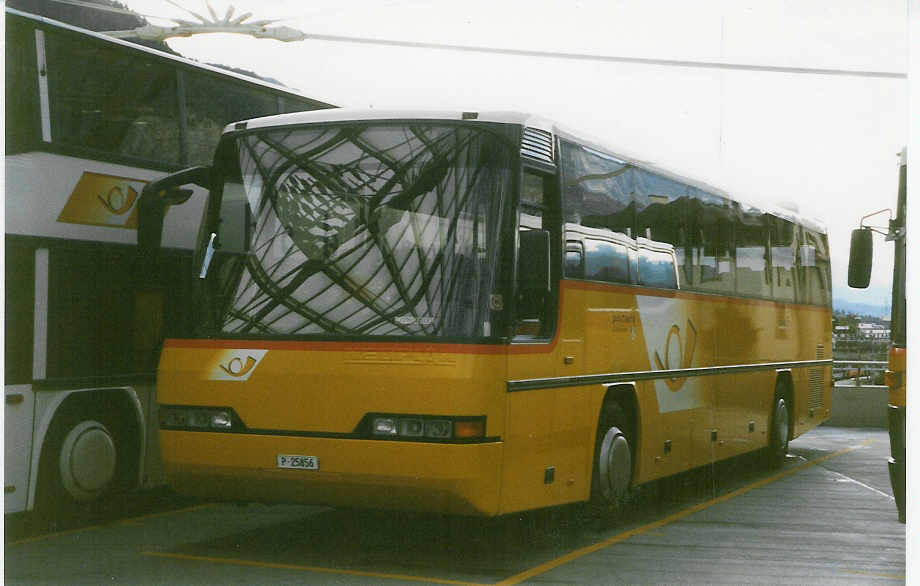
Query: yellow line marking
{"type": "Point", "coordinates": [571, 556]}
{"type": "Point", "coordinates": [274, 565]}
{"type": "Point", "coordinates": [129, 521]}
{"type": "Point", "coordinates": [877, 574]}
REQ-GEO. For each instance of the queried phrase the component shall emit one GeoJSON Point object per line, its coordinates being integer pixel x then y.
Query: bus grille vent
{"type": "Point", "coordinates": [537, 144]}
{"type": "Point", "coordinates": [816, 382]}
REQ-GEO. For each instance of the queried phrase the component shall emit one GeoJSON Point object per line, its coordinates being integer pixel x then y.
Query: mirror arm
{"type": "Point", "coordinates": [877, 229]}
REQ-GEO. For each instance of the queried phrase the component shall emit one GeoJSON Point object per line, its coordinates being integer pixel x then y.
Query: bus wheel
{"type": "Point", "coordinates": [79, 464]}
{"type": "Point", "coordinates": [779, 433]}
{"type": "Point", "coordinates": [613, 462]}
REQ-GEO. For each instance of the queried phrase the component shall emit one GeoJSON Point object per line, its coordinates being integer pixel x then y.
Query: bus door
{"type": "Point", "coordinates": [543, 461]}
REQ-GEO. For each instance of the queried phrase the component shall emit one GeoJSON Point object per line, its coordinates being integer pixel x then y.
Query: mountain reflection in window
{"type": "Point", "coordinates": [363, 229]}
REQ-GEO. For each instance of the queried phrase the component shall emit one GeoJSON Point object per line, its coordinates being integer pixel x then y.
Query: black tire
{"type": "Point", "coordinates": [83, 461]}
{"type": "Point", "coordinates": [779, 432]}
{"type": "Point", "coordinates": [614, 457]}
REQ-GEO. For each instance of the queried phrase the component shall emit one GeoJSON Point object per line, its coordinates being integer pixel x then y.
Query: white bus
{"type": "Point", "coordinates": [89, 121]}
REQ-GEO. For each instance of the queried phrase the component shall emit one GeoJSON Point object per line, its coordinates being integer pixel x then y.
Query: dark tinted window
{"type": "Point", "coordinates": [606, 261]}
{"type": "Point", "coordinates": [710, 246]}
{"type": "Point", "coordinates": [656, 269]}
{"type": "Point", "coordinates": [596, 190]}
{"type": "Point", "coordinates": [751, 253]}
{"type": "Point", "coordinates": [22, 123]}
{"type": "Point", "coordinates": [211, 104]}
{"type": "Point", "coordinates": [106, 99]}
{"type": "Point", "coordinates": [574, 260]}
{"type": "Point", "coordinates": [816, 269]}
{"type": "Point", "coordinates": [783, 251]}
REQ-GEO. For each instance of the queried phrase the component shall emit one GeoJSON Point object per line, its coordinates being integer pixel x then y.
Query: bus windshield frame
{"type": "Point", "coordinates": [373, 229]}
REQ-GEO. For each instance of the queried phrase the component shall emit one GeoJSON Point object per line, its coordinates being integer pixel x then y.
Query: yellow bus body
{"type": "Point", "coordinates": [308, 397]}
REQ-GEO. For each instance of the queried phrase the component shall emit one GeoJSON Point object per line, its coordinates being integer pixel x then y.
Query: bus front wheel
{"type": "Point", "coordinates": [611, 480]}
{"type": "Point", "coordinates": [79, 464]}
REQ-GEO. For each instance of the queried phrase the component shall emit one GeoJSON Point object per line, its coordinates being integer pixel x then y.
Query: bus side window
{"type": "Point", "coordinates": [751, 255]}
{"type": "Point", "coordinates": [656, 269]}
{"type": "Point", "coordinates": [783, 243]}
{"type": "Point", "coordinates": [574, 260]}
{"type": "Point", "coordinates": [606, 261]}
{"type": "Point", "coordinates": [815, 269]}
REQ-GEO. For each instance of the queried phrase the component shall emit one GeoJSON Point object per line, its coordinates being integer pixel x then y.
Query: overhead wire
{"type": "Point", "coordinates": [686, 63]}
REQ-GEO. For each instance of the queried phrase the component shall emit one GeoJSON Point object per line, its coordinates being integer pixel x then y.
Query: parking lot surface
{"type": "Point", "coordinates": [825, 517]}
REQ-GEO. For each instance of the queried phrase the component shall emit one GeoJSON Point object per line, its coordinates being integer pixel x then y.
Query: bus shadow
{"type": "Point", "coordinates": [461, 548]}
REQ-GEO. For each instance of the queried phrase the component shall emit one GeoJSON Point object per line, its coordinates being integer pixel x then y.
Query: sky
{"type": "Point", "coordinates": [825, 141]}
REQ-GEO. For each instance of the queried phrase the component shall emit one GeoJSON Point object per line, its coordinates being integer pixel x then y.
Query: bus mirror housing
{"type": "Point", "coordinates": [156, 197]}
{"type": "Point", "coordinates": [860, 269]}
{"type": "Point", "coordinates": [533, 261]}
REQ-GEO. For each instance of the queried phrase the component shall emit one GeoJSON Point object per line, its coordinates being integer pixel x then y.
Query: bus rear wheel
{"type": "Point", "coordinates": [611, 480]}
{"type": "Point", "coordinates": [779, 433]}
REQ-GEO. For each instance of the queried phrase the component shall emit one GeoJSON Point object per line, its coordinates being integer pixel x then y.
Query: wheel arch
{"type": "Point", "coordinates": [59, 403]}
{"type": "Point", "coordinates": [623, 394]}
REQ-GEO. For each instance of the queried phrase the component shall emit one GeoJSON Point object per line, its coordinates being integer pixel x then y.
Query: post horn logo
{"type": "Point", "coordinates": [103, 200]}
{"type": "Point", "coordinates": [235, 365]}
{"type": "Point", "coordinates": [117, 202]}
{"type": "Point", "coordinates": [684, 352]}
{"type": "Point", "coordinates": [236, 368]}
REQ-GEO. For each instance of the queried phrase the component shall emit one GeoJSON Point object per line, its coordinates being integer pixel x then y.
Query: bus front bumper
{"type": "Point", "coordinates": [459, 479]}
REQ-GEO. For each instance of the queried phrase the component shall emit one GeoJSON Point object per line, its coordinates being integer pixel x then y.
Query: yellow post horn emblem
{"type": "Point", "coordinates": [685, 353]}
{"type": "Point", "coordinates": [236, 368]}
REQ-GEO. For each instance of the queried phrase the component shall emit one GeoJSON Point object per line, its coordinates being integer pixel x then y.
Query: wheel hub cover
{"type": "Point", "coordinates": [615, 465]}
{"type": "Point", "coordinates": [88, 459]}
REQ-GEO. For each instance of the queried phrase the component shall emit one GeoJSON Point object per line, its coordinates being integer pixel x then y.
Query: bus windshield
{"type": "Point", "coordinates": [358, 229]}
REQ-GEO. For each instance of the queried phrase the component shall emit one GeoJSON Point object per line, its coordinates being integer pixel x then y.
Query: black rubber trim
{"type": "Point", "coordinates": [622, 377]}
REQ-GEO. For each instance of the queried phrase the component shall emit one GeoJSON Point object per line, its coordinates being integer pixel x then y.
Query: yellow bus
{"type": "Point", "coordinates": [860, 273]}
{"type": "Point", "coordinates": [478, 313]}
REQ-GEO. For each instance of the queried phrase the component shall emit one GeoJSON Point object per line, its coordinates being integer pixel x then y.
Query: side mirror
{"type": "Point", "coordinates": [155, 198]}
{"type": "Point", "coordinates": [533, 261]}
{"type": "Point", "coordinates": [860, 269]}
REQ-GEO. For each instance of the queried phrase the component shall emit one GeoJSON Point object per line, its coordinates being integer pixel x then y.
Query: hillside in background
{"type": "Point", "coordinates": [860, 308]}
{"type": "Point", "coordinates": [99, 20]}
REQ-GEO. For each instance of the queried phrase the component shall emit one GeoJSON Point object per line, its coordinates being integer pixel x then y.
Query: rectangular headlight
{"type": "Point", "coordinates": [411, 427]}
{"type": "Point", "coordinates": [438, 428]}
{"type": "Point", "coordinates": [184, 417]}
{"type": "Point", "coordinates": [385, 426]}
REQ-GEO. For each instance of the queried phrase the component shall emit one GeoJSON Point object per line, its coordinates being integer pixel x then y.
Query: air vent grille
{"type": "Point", "coordinates": [816, 382]}
{"type": "Point", "coordinates": [537, 144]}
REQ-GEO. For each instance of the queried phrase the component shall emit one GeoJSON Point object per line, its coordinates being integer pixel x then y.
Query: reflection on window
{"type": "Point", "coordinates": [374, 230]}
{"type": "Point", "coordinates": [111, 100]}
{"type": "Point", "coordinates": [206, 116]}
{"type": "Point", "coordinates": [656, 269]}
{"type": "Point", "coordinates": [596, 190]}
{"type": "Point", "coordinates": [783, 258]}
{"type": "Point", "coordinates": [606, 261]}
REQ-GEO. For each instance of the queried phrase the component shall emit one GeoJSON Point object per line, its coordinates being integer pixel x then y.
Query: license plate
{"type": "Point", "coordinates": [298, 462]}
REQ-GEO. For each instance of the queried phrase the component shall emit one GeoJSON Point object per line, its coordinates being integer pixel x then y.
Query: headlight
{"type": "Point", "coordinates": [424, 427]}
{"type": "Point", "coordinates": [187, 418]}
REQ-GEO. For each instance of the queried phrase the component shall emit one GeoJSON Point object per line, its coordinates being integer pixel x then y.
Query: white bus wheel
{"type": "Point", "coordinates": [611, 485]}
{"type": "Point", "coordinates": [87, 460]}
{"type": "Point", "coordinates": [79, 464]}
{"type": "Point", "coordinates": [779, 433]}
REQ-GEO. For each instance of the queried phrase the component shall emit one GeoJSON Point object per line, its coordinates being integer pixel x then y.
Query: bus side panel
{"type": "Point", "coordinates": [813, 385]}
{"type": "Point", "coordinates": [549, 435]}
{"type": "Point", "coordinates": [545, 460]}
{"type": "Point", "coordinates": [18, 419]}
{"type": "Point", "coordinates": [743, 400]}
